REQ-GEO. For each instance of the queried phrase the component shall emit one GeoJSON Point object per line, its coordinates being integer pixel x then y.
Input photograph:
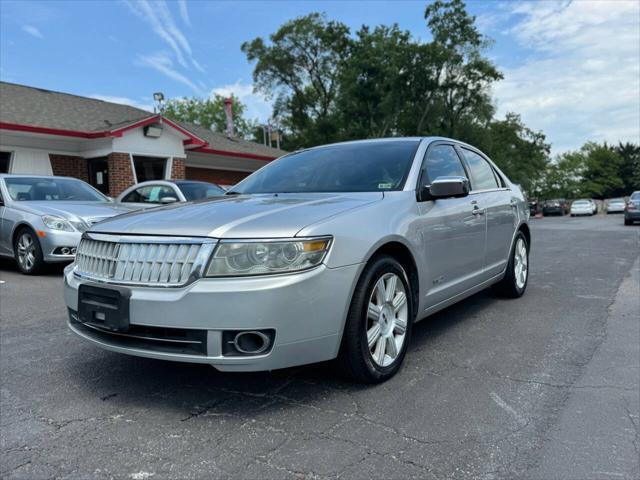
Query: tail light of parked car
{"type": "Point", "coordinates": [631, 205]}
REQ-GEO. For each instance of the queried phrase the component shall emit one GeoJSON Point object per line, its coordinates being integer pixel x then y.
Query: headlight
{"type": "Point", "coordinates": [57, 223]}
{"type": "Point", "coordinates": [263, 257]}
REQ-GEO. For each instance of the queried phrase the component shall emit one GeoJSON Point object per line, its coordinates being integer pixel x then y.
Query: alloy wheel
{"type": "Point", "coordinates": [521, 264]}
{"type": "Point", "coordinates": [26, 251]}
{"type": "Point", "coordinates": [387, 319]}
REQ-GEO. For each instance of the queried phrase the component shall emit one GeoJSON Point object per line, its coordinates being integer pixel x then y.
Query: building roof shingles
{"type": "Point", "coordinates": [36, 107]}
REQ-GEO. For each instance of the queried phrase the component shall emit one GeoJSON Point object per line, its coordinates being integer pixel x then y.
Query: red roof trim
{"type": "Point", "coordinates": [118, 132]}
{"type": "Point", "coordinates": [233, 154]}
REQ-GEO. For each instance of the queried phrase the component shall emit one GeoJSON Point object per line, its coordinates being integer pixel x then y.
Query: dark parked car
{"type": "Point", "coordinates": [553, 207]}
{"type": "Point", "coordinates": [632, 209]}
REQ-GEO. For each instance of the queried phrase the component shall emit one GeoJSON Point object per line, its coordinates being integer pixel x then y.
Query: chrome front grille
{"type": "Point", "coordinates": [152, 261]}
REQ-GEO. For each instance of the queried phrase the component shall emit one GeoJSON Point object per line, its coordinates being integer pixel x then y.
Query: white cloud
{"type": "Point", "coordinates": [258, 106]}
{"type": "Point", "coordinates": [583, 81]}
{"type": "Point", "coordinates": [184, 13]}
{"type": "Point", "coordinates": [157, 15]}
{"type": "Point", "coordinates": [123, 101]}
{"type": "Point", "coordinates": [163, 64]}
{"type": "Point", "coordinates": [33, 31]}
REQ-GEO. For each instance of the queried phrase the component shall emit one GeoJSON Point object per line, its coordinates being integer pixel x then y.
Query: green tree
{"type": "Point", "coordinates": [520, 152]}
{"type": "Point", "coordinates": [630, 167]}
{"type": "Point", "coordinates": [563, 177]}
{"type": "Point", "coordinates": [373, 83]}
{"type": "Point", "coordinates": [601, 177]}
{"type": "Point", "coordinates": [457, 77]}
{"type": "Point", "coordinates": [210, 113]}
{"type": "Point", "coordinates": [300, 67]}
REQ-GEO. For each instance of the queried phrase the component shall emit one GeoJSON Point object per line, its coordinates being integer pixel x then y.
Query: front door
{"type": "Point", "coordinates": [99, 173]}
{"type": "Point", "coordinates": [453, 231]}
{"type": "Point", "coordinates": [496, 200]}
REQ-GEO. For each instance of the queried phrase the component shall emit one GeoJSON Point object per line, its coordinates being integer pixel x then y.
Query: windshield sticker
{"type": "Point", "coordinates": [385, 186]}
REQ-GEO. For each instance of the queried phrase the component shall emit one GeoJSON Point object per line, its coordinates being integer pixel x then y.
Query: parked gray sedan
{"type": "Point", "coordinates": [331, 252]}
{"type": "Point", "coordinates": [42, 217]}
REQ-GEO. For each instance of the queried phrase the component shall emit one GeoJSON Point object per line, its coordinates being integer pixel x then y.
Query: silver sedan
{"type": "Point", "coordinates": [42, 217]}
{"type": "Point", "coordinates": [327, 253]}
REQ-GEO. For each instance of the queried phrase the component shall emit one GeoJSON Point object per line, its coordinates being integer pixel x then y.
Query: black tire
{"type": "Point", "coordinates": [38, 261]}
{"type": "Point", "coordinates": [355, 359]}
{"type": "Point", "coordinates": [628, 222]}
{"type": "Point", "coordinates": [508, 287]}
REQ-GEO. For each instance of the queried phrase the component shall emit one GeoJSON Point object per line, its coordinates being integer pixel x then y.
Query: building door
{"type": "Point", "coordinates": [99, 173]}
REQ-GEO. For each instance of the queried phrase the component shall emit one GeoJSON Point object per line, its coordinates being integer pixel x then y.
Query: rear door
{"type": "Point", "coordinates": [452, 230]}
{"type": "Point", "coordinates": [489, 189]}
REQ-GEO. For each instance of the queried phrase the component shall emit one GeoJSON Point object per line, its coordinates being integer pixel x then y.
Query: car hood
{"type": "Point", "coordinates": [74, 210]}
{"type": "Point", "coordinates": [241, 216]}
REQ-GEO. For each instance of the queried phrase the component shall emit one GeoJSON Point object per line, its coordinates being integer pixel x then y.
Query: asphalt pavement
{"type": "Point", "coordinates": [543, 387]}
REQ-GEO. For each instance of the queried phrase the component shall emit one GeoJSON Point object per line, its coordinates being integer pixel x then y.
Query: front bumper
{"type": "Point", "coordinates": [307, 311]}
{"type": "Point", "coordinates": [56, 239]}
{"type": "Point", "coordinates": [632, 215]}
{"type": "Point", "coordinates": [582, 211]}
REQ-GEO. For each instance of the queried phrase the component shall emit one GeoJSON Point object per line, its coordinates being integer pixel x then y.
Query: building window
{"type": "Point", "coordinates": [149, 168]}
{"type": "Point", "coordinates": [5, 161]}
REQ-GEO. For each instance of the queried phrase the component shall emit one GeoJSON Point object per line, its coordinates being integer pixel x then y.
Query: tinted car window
{"type": "Point", "coordinates": [482, 176]}
{"type": "Point", "coordinates": [196, 191]}
{"type": "Point", "coordinates": [55, 189]}
{"type": "Point", "coordinates": [352, 167]}
{"type": "Point", "coordinates": [635, 196]}
{"type": "Point", "coordinates": [443, 161]}
{"type": "Point", "coordinates": [149, 194]}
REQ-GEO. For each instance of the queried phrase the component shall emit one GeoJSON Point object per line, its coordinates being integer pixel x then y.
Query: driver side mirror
{"type": "Point", "coordinates": [167, 200]}
{"type": "Point", "coordinates": [444, 187]}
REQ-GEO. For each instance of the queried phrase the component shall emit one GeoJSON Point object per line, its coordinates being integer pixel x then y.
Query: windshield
{"type": "Point", "coordinates": [51, 189]}
{"type": "Point", "coordinates": [635, 196]}
{"type": "Point", "coordinates": [581, 202]}
{"type": "Point", "coordinates": [617, 200]}
{"type": "Point", "coordinates": [353, 167]}
{"type": "Point", "coordinates": [197, 191]}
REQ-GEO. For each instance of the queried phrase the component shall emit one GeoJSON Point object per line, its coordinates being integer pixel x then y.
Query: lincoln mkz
{"type": "Point", "coordinates": [327, 253]}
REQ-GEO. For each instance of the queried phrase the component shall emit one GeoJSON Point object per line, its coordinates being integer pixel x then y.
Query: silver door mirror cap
{"type": "Point", "coordinates": [448, 187]}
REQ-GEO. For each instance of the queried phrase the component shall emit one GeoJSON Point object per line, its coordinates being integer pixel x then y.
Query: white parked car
{"type": "Point", "coordinates": [582, 207]}
{"type": "Point", "coordinates": [616, 205]}
{"type": "Point", "coordinates": [161, 192]}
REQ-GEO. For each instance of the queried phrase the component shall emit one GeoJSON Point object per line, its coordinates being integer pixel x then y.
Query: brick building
{"type": "Point", "coordinates": [112, 146]}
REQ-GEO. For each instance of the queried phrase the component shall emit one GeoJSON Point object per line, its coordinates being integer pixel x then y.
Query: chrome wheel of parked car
{"type": "Point", "coordinates": [516, 275]}
{"type": "Point", "coordinates": [378, 328]}
{"type": "Point", "coordinates": [27, 251]}
{"type": "Point", "coordinates": [521, 263]}
{"type": "Point", "coordinates": [387, 319]}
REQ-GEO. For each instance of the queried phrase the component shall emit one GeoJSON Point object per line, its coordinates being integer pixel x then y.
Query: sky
{"type": "Point", "coordinates": [571, 68]}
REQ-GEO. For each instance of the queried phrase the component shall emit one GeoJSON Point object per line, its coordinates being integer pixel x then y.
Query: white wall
{"type": "Point", "coordinates": [28, 160]}
{"type": "Point", "coordinates": [133, 141]}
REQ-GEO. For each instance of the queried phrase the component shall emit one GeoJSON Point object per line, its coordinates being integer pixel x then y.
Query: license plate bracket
{"type": "Point", "coordinates": [106, 308]}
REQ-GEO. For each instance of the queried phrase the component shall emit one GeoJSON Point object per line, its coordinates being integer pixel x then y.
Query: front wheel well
{"type": "Point", "coordinates": [403, 255]}
{"type": "Point", "coordinates": [17, 230]}
{"type": "Point", "coordinates": [524, 228]}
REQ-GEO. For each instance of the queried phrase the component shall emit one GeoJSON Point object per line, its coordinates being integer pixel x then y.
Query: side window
{"type": "Point", "coordinates": [150, 194]}
{"type": "Point", "coordinates": [482, 176]}
{"type": "Point", "coordinates": [132, 197]}
{"type": "Point", "coordinates": [443, 161]}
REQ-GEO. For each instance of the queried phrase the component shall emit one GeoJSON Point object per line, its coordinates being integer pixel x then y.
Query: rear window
{"type": "Point", "coordinates": [581, 202]}
{"type": "Point", "coordinates": [196, 191]}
